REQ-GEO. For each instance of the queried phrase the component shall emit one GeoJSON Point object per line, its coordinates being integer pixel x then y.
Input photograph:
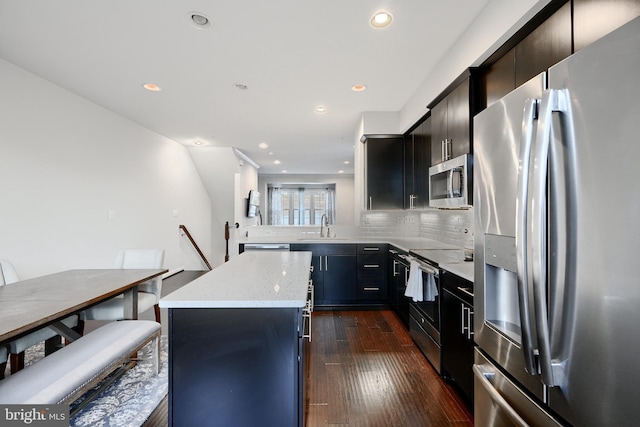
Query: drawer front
{"type": "Point", "coordinates": [373, 248]}
{"type": "Point", "coordinates": [372, 266]}
{"type": "Point", "coordinates": [372, 289]}
{"type": "Point", "coordinates": [326, 248]}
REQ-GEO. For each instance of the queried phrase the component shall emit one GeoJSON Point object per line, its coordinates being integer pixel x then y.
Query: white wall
{"type": "Point", "coordinates": [66, 163]}
{"type": "Point", "coordinates": [228, 180]}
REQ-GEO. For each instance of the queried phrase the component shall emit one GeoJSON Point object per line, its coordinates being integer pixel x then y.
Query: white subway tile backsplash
{"type": "Point", "coordinates": [449, 226]}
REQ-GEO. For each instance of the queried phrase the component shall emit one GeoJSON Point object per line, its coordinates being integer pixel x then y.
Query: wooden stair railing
{"type": "Point", "coordinates": [195, 245]}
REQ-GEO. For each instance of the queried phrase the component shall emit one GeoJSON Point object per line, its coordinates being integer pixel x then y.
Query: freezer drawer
{"type": "Point", "coordinates": [499, 402]}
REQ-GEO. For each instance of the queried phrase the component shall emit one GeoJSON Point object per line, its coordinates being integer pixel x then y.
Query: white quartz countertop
{"type": "Point", "coordinates": [250, 280]}
{"type": "Point", "coordinates": [461, 269]}
{"type": "Point", "coordinates": [404, 243]}
{"type": "Point", "coordinates": [448, 256]}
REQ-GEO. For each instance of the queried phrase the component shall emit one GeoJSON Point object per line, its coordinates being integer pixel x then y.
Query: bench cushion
{"type": "Point", "coordinates": [61, 375]}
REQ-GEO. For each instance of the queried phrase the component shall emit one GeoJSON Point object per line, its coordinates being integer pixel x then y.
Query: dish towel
{"type": "Point", "coordinates": [431, 290]}
{"type": "Point", "coordinates": [414, 284]}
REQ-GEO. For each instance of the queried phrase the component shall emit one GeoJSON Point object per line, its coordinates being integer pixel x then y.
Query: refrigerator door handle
{"type": "Point", "coordinates": [483, 380]}
{"type": "Point", "coordinates": [528, 121]}
{"type": "Point", "coordinates": [552, 100]}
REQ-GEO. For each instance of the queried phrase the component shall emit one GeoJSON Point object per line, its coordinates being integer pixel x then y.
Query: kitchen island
{"type": "Point", "coordinates": [236, 353]}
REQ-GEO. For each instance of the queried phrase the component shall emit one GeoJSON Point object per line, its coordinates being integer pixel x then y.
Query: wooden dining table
{"type": "Point", "coordinates": [45, 301]}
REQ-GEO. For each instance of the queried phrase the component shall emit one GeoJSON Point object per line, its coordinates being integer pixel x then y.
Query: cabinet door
{"type": "Point", "coordinates": [458, 120]}
{"type": "Point", "coordinates": [547, 45]}
{"type": "Point", "coordinates": [457, 348]}
{"type": "Point", "coordinates": [500, 78]}
{"type": "Point", "coordinates": [339, 279]}
{"type": "Point", "coordinates": [384, 173]}
{"type": "Point", "coordinates": [438, 131]}
{"type": "Point", "coordinates": [317, 275]}
{"type": "Point", "coordinates": [417, 159]}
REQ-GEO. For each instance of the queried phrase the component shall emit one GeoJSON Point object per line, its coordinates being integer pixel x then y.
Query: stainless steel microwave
{"type": "Point", "coordinates": [449, 183]}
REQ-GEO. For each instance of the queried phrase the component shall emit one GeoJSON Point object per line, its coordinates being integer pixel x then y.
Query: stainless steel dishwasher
{"type": "Point", "coordinates": [244, 247]}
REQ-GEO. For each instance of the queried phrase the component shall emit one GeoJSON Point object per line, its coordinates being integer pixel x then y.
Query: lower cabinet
{"type": "Point", "coordinates": [334, 272]}
{"type": "Point", "coordinates": [236, 367]}
{"type": "Point", "coordinates": [457, 332]}
{"type": "Point", "coordinates": [347, 274]}
{"type": "Point", "coordinates": [372, 273]}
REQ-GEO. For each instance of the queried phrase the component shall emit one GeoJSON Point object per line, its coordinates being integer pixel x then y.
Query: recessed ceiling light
{"type": "Point", "coordinates": [358, 88]}
{"type": "Point", "coordinates": [263, 145]}
{"type": "Point", "coordinates": [199, 20]}
{"type": "Point", "coordinates": [277, 162]}
{"type": "Point", "coordinates": [152, 87]}
{"type": "Point", "coordinates": [340, 171]}
{"type": "Point", "coordinates": [381, 19]}
{"type": "Point", "coordinates": [346, 162]}
{"type": "Point", "coordinates": [284, 171]}
{"type": "Point", "coordinates": [198, 142]}
{"type": "Point", "coordinates": [321, 109]}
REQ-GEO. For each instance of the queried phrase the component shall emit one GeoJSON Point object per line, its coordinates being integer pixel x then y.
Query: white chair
{"type": "Point", "coordinates": [17, 347]}
{"type": "Point", "coordinates": [148, 292]}
{"type": "Point", "coordinates": [4, 354]}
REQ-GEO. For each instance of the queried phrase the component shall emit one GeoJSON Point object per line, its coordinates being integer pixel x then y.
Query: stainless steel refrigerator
{"type": "Point", "coordinates": [557, 225]}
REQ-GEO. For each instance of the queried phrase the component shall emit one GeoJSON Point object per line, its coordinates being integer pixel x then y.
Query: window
{"type": "Point", "coordinates": [290, 204]}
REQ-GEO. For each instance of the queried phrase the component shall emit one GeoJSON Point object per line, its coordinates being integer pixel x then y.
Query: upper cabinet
{"type": "Point", "coordinates": [594, 19]}
{"type": "Point", "coordinates": [544, 45]}
{"type": "Point", "coordinates": [417, 159]}
{"type": "Point", "coordinates": [384, 171]}
{"type": "Point", "coordinates": [451, 124]}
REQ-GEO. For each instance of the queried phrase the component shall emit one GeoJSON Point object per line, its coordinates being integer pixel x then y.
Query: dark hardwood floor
{"type": "Point", "coordinates": [365, 371]}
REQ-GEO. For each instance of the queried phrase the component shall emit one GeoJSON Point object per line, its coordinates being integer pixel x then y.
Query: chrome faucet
{"type": "Point", "coordinates": [324, 221]}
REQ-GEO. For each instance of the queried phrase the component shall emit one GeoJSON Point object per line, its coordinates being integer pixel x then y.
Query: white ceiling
{"type": "Point", "coordinates": [292, 54]}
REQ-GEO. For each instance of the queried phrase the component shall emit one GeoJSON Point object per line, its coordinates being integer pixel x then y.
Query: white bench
{"type": "Point", "coordinates": [68, 373]}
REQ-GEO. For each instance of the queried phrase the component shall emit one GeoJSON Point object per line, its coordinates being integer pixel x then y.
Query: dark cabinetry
{"type": "Point", "coordinates": [457, 332]}
{"type": "Point", "coordinates": [417, 159]}
{"type": "Point", "coordinates": [384, 171]}
{"type": "Point", "coordinates": [372, 273]}
{"type": "Point", "coordinates": [398, 277]}
{"type": "Point", "coordinates": [239, 367]}
{"type": "Point", "coordinates": [334, 272]}
{"type": "Point", "coordinates": [543, 46]}
{"type": "Point", "coordinates": [594, 19]}
{"type": "Point", "coordinates": [451, 114]}
{"type": "Point", "coordinates": [547, 45]}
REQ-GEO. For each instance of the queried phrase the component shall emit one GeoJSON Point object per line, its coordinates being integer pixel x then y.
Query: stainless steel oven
{"type": "Point", "coordinates": [424, 316]}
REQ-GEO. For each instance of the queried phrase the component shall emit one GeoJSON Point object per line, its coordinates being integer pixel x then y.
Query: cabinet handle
{"type": "Point", "coordinates": [320, 263]}
{"type": "Point", "coordinates": [371, 248]}
{"type": "Point", "coordinates": [370, 203]}
{"type": "Point", "coordinates": [469, 323]}
{"type": "Point", "coordinates": [372, 266]}
{"type": "Point", "coordinates": [442, 150]}
{"type": "Point", "coordinates": [462, 319]}
{"type": "Point", "coordinates": [326, 263]}
{"type": "Point", "coordinates": [395, 264]}
{"type": "Point", "coordinates": [371, 289]}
